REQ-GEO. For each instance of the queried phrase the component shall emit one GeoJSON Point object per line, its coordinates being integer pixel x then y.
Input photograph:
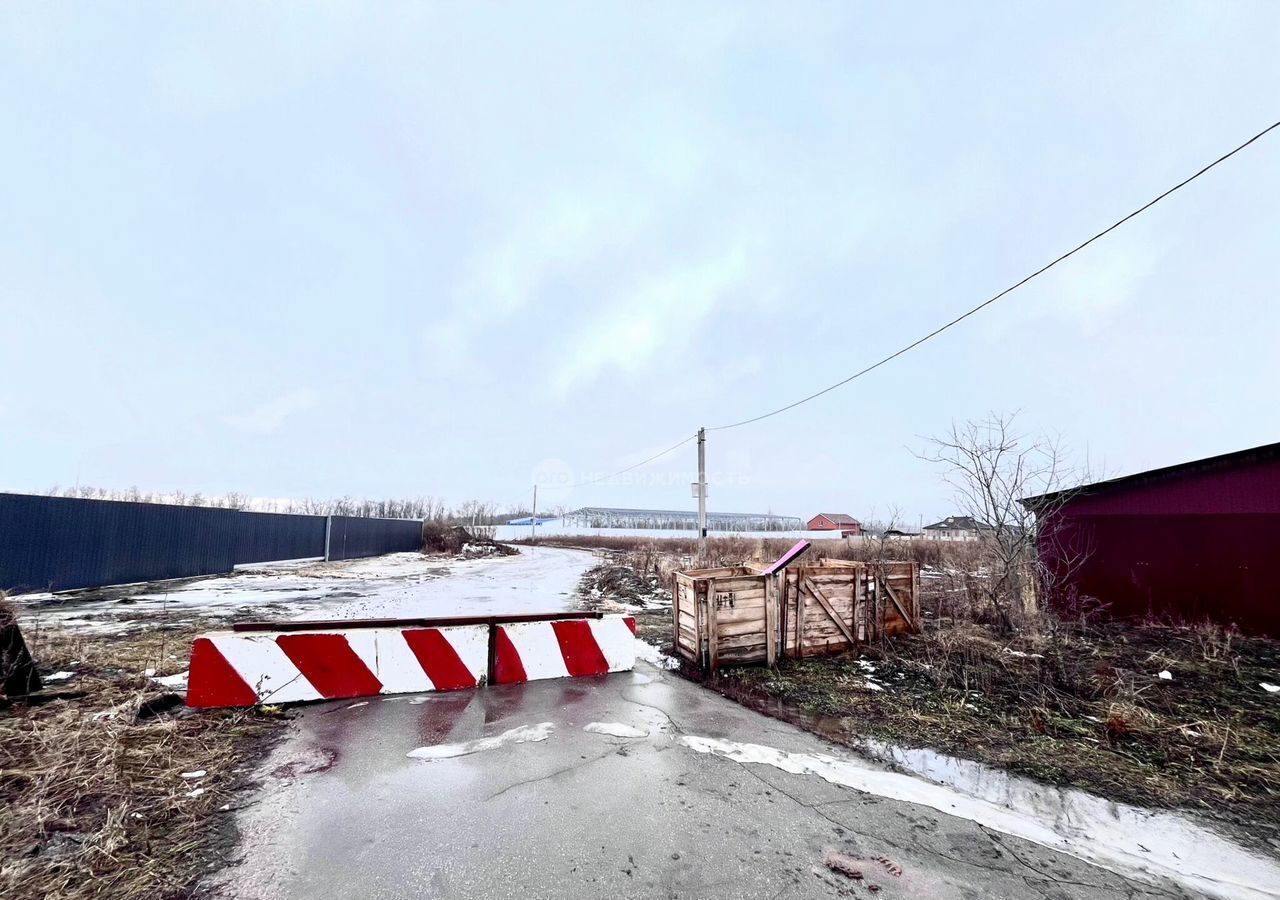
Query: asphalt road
{"type": "Point", "coordinates": [344, 812]}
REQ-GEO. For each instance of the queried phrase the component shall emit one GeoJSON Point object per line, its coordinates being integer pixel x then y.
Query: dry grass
{"type": "Point", "coordinates": [94, 802]}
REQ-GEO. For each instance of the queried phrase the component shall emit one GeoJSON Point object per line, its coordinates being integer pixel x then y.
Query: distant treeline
{"type": "Point", "coordinates": [432, 508]}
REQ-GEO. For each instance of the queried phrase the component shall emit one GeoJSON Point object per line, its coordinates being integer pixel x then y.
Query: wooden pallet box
{"type": "Point", "coordinates": [742, 615]}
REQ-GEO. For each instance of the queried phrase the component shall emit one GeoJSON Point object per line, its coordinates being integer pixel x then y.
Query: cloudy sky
{"type": "Point", "coordinates": [405, 249]}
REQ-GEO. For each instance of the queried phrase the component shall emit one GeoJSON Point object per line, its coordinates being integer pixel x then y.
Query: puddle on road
{"type": "Point", "coordinates": [1137, 843]}
{"type": "Point", "coordinates": [523, 734]}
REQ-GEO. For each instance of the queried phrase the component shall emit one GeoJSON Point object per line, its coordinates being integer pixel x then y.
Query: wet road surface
{"type": "Point", "coordinates": [538, 807]}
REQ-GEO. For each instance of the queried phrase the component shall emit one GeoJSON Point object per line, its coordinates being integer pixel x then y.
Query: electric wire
{"type": "Point", "coordinates": [981, 306]}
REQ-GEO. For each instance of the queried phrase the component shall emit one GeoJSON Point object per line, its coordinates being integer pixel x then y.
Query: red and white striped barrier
{"type": "Point", "coordinates": [528, 651]}
{"type": "Point", "coordinates": [335, 661]}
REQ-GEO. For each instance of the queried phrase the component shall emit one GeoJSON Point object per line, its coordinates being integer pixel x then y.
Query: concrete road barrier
{"type": "Point", "coordinates": [300, 662]}
{"type": "Point", "coordinates": [529, 651]}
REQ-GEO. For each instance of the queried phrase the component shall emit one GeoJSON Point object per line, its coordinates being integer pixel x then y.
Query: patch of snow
{"type": "Point", "coordinates": [148, 673]}
{"type": "Point", "coordinates": [60, 676]}
{"type": "Point", "coordinates": [1099, 831]}
{"type": "Point", "coordinates": [521, 735]}
{"type": "Point", "coordinates": [651, 654]}
{"type": "Point", "coordinates": [1022, 655]}
{"type": "Point", "coordinates": [871, 685]}
{"type": "Point", "coordinates": [1269, 688]}
{"type": "Point", "coordinates": [1165, 675]}
{"type": "Point", "coordinates": [866, 665]}
{"type": "Point", "coordinates": [105, 714]}
{"type": "Point", "coordinates": [196, 793]}
{"type": "Point", "coordinates": [616, 729]}
{"type": "Point", "coordinates": [361, 703]}
{"type": "Point", "coordinates": [173, 681]}
{"type": "Point", "coordinates": [198, 773]}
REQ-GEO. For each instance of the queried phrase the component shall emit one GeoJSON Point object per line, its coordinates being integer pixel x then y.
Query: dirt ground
{"type": "Point", "coordinates": [1080, 706]}
{"type": "Point", "coordinates": [617, 586]}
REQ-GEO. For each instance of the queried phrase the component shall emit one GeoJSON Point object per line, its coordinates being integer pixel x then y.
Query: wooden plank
{"type": "Point", "coordinates": [738, 641]}
{"type": "Point", "coordinates": [740, 626]}
{"type": "Point", "coordinates": [906, 617]}
{"type": "Point", "coordinates": [771, 622]}
{"type": "Point", "coordinates": [675, 606]}
{"type": "Point", "coordinates": [817, 595]}
{"type": "Point", "coordinates": [782, 612]}
{"type": "Point", "coordinates": [740, 583]}
{"type": "Point", "coordinates": [800, 611]}
{"type": "Point", "coordinates": [699, 609]}
{"type": "Point", "coordinates": [713, 634]}
{"type": "Point", "coordinates": [720, 572]}
{"type": "Point", "coordinates": [915, 596]}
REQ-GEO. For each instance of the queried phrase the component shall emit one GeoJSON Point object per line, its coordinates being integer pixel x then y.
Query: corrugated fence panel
{"type": "Point", "coordinates": [353, 537]}
{"type": "Point", "coordinates": [266, 537]}
{"type": "Point", "coordinates": [64, 543]}
{"type": "Point", "coordinates": [60, 543]}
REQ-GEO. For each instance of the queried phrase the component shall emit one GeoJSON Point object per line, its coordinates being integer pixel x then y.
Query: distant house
{"type": "Point", "coordinates": [955, 528]}
{"type": "Point", "coordinates": [847, 525]}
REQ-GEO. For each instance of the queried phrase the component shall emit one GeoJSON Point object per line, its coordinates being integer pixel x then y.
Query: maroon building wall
{"type": "Point", "coordinates": [1186, 543]}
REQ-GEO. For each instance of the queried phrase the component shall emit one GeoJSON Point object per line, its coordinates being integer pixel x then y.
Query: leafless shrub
{"type": "Point", "coordinates": [441, 537]}
{"type": "Point", "coordinates": [992, 470]}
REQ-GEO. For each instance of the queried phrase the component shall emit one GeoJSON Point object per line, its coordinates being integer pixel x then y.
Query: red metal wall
{"type": "Point", "coordinates": [1190, 546]}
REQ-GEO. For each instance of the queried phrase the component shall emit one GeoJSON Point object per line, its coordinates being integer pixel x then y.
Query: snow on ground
{"type": "Point", "coordinates": [401, 585]}
{"type": "Point", "coordinates": [615, 729]}
{"type": "Point", "coordinates": [654, 656]}
{"type": "Point", "coordinates": [522, 735]}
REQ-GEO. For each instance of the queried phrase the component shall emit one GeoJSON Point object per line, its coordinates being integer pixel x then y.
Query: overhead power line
{"type": "Point", "coordinates": [957, 320]}
{"type": "Point", "coordinates": [983, 305]}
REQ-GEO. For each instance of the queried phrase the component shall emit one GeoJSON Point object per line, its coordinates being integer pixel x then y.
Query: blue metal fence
{"type": "Point", "coordinates": [351, 537]}
{"type": "Point", "coordinates": [264, 537]}
{"type": "Point", "coordinates": [63, 543]}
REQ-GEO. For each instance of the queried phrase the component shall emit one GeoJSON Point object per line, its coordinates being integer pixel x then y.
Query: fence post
{"type": "Point", "coordinates": [328, 533]}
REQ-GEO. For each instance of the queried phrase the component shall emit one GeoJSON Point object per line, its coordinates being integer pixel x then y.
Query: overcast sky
{"type": "Point", "coordinates": [404, 249]}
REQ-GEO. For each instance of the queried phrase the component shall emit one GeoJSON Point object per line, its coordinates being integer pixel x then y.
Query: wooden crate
{"type": "Point", "coordinates": [741, 615]}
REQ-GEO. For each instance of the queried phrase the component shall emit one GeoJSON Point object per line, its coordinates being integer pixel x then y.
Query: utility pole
{"type": "Point", "coordinates": [702, 492]}
{"type": "Point", "coordinates": [533, 518]}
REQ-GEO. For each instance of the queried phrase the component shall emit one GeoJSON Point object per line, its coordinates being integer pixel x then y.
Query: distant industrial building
{"type": "Point", "coordinates": [1191, 542]}
{"type": "Point", "coordinates": [678, 519]}
{"type": "Point", "coordinates": [847, 525]}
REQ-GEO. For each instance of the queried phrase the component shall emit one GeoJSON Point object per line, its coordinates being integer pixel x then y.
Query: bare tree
{"type": "Point", "coordinates": [992, 469]}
